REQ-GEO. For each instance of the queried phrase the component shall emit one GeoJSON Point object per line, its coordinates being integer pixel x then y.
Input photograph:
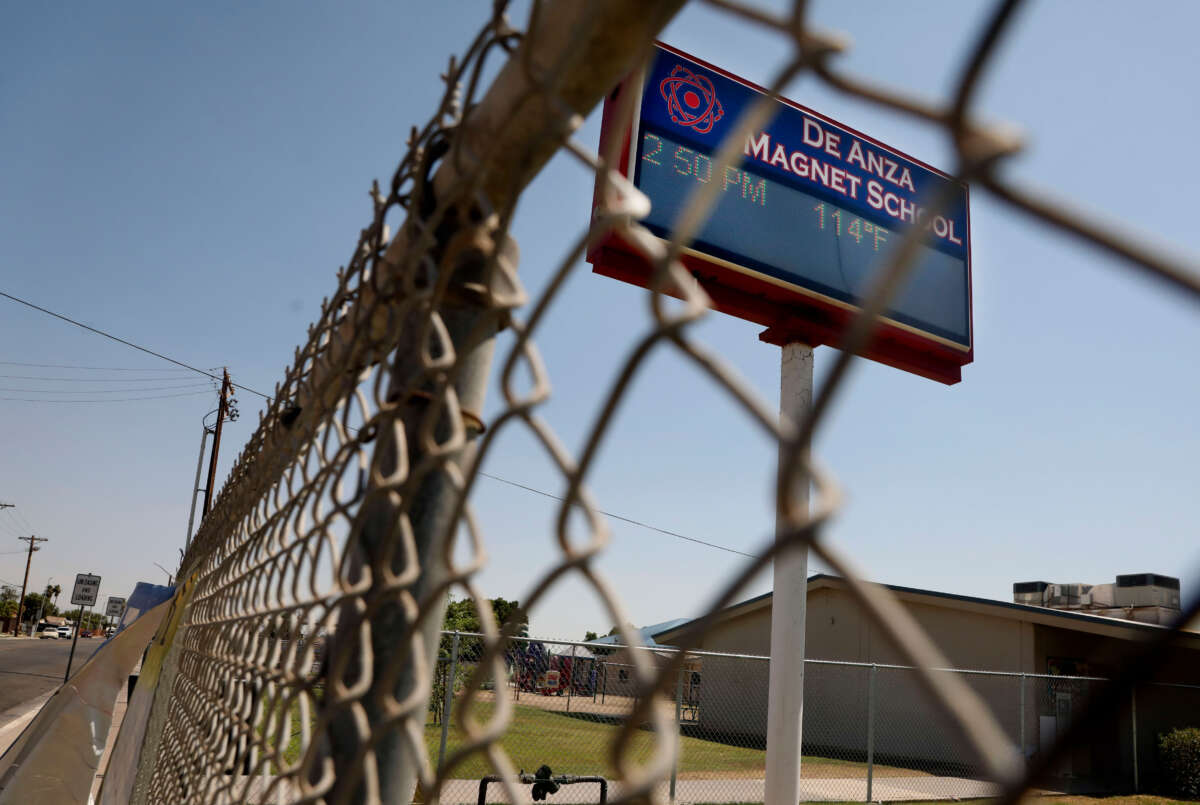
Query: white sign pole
{"type": "Point", "coordinates": [785, 693]}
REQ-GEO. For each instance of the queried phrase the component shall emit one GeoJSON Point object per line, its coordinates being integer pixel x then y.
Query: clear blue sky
{"type": "Point", "coordinates": [190, 179]}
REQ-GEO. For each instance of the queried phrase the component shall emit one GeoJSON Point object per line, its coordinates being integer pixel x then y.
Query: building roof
{"type": "Point", "coordinates": [647, 632]}
{"type": "Point", "coordinates": [1057, 618]}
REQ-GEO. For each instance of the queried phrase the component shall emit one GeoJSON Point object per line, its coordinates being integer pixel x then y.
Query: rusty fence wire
{"type": "Point", "coordinates": [312, 596]}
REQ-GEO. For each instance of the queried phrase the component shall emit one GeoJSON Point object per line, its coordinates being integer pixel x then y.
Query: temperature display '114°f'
{"type": "Point", "coordinates": [802, 223]}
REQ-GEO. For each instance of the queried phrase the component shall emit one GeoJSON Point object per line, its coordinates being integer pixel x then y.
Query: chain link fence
{"type": "Point", "coordinates": [871, 734]}
{"type": "Point", "coordinates": [312, 596]}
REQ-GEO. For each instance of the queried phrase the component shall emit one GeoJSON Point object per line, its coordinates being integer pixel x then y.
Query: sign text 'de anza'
{"type": "Point", "coordinates": [803, 221]}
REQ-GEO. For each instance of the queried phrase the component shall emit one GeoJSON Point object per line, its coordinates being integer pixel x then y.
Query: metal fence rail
{"type": "Point", "coordinates": [336, 528]}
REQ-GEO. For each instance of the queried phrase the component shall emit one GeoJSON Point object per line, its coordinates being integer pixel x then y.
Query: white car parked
{"type": "Point", "coordinates": [47, 631]}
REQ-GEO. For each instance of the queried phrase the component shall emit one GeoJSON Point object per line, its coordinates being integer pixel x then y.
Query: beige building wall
{"type": "Point", "coordinates": [973, 635]}
{"type": "Point", "coordinates": [907, 721]}
{"type": "Point", "coordinates": [838, 630]}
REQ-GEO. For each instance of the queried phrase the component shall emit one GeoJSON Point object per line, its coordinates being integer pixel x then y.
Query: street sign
{"type": "Point", "coordinates": [87, 588]}
{"type": "Point", "coordinates": [115, 607]}
{"type": "Point", "coordinates": [802, 221]}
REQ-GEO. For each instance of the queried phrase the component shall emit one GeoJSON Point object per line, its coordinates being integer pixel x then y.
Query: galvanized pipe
{"type": "Point", "coordinates": [448, 699]}
{"type": "Point", "coordinates": [871, 732]}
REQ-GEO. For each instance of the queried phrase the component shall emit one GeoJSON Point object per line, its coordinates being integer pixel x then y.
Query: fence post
{"type": "Point", "coordinates": [505, 138]}
{"type": "Point", "coordinates": [570, 679]}
{"type": "Point", "coordinates": [1133, 712]}
{"type": "Point", "coordinates": [1021, 682]}
{"type": "Point", "coordinates": [448, 699]}
{"type": "Point", "coordinates": [871, 731]}
{"type": "Point", "coordinates": [678, 720]}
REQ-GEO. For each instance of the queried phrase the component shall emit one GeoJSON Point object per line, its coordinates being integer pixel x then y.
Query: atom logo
{"type": "Point", "coordinates": [698, 107]}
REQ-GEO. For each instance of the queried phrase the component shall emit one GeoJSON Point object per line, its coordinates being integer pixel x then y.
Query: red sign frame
{"type": "Point", "coordinates": [789, 313]}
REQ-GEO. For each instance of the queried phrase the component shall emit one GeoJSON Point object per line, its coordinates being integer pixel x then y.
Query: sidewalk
{"type": "Point", "coordinates": [117, 717]}
{"type": "Point", "coordinates": [811, 790]}
{"type": "Point", "coordinates": [16, 719]}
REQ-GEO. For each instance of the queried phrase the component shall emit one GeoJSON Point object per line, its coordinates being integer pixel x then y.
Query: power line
{"type": "Point", "coordinates": [93, 379]}
{"type": "Point", "coordinates": [629, 520]}
{"type": "Point", "coordinates": [111, 399]}
{"type": "Point", "coordinates": [21, 516]}
{"type": "Point", "coordinates": [9, 527]}
{"type": "Point", "coordinates": [623, 519]}
{"type": "Point", "coordinates": [102, 391]}
{"type": "Point", "coordinates": [126, 343]}
{"type": "Point", "coordinates": [21, 521]}
{"type": "Point", "coordinates": [76, 366]}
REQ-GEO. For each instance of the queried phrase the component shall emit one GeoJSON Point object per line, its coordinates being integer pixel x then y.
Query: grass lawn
{"type": "Point", "coordinates": [1064, 800]}
{"type": "Point", "coordinates": [575, 745]}
{"type": "Point", "coordinates": [1046, 800]}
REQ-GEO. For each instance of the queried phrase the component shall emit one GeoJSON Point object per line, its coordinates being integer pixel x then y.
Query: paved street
{"type": "Point", "coordinates": [30, 667]}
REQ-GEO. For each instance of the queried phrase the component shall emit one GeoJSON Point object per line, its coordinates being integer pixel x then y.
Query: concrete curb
{"type": "Point", "coordinates": [16, 719]}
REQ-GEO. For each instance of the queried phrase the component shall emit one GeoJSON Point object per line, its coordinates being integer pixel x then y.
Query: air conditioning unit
{"type": "Point", "coordinates": [1032, 593]}
{"type": "Point", "coordinates": [1147, 590]}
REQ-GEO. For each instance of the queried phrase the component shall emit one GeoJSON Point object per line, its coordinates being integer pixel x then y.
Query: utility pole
{"type": "Point", "coordinates": [33, 541]}
{"type": "Point", "coordinates": [226, 388]}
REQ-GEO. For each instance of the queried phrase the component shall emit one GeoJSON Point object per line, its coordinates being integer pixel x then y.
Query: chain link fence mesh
{"type": "Point", "coordinates": [870, 732]}
{"type": "Point", "coordinates": [308, 652]}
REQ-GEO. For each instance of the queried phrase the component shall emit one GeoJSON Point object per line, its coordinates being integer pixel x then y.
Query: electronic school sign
{"type": "Point", "coordinates": [802, 223]}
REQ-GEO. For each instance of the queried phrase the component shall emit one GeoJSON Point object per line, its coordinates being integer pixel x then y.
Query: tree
{"type": "Point", "coordinates": [507, 611]}
{"type": "Point", "coordinates": [600, 651]}
{"type": "Point", "coordinates": [33, 602]}
{"type": "Point", "coordinates": [8, 602]}
{"type": "Point", "coordinates": [48, 606]}
{"type": "Point", "coordinates": [462, 616]}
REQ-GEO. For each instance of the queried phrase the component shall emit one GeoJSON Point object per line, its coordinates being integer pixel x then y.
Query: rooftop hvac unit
{"type": "Point", "coordinates": [1147, 590]}
{"type": "Point", "coordinates": [1067, 595]}
{"type": "Point", "coordinates": [1030, 592]}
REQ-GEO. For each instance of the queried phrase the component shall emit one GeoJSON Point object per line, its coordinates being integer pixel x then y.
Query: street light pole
{"type": "Point", "coordinates": [196, 486]}
{"type": "Point", "coordinates": [42, 605]}
{"type": "Point", "coordinates": [170, 575]}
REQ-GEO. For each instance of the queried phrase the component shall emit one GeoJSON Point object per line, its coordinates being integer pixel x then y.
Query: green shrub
{"type": "Point", "coordinates": [1179, 751]}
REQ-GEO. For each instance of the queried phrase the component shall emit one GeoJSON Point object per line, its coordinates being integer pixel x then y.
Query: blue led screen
{"type": "Point", "coordinates": [810, 204]}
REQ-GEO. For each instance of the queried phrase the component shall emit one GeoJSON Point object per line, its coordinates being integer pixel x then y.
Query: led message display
{"type": "Point", "coordinates": [812, 207]}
